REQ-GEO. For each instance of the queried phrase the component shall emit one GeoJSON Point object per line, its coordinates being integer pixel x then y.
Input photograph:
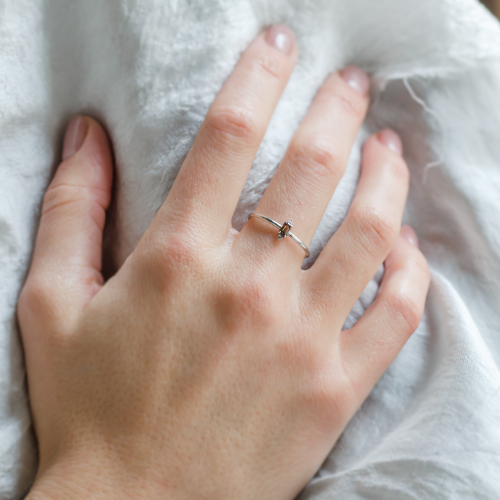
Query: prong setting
{"type": "Point", "coordinates": [285, 229]}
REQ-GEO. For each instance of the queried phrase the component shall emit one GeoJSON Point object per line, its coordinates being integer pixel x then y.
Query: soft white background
{"type": "Point", "coordinates": [148, 69]}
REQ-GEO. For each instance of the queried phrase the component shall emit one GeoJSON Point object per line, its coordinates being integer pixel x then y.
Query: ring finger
{"type": "Point", "coordinates": [369, 231]}
{"type": "Point", "coordinates": [314, 163]}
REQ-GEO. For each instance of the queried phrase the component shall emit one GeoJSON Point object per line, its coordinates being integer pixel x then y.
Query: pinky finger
{"type": "Point", "coordinates": [371, 345]}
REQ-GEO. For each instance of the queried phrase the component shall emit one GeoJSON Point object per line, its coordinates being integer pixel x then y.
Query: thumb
{"type": "Point", "coordinates": [68, 250]}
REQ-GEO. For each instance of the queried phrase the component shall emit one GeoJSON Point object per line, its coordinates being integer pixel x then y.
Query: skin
{"type": "Point", "coordinates": [211, 366]}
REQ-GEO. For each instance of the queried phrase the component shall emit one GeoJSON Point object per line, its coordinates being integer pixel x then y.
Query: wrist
{"type": "Point", "coordinates": [93, 476]}
{"type": "Point", "coordinates": [69, 479]}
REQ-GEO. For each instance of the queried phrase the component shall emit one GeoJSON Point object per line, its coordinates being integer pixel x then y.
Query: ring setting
{"type": "Point", "coordinates": [284, 230]}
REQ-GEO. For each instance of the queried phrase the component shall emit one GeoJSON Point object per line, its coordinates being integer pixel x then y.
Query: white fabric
{"type": "Point", "coordinates": [148, 69]}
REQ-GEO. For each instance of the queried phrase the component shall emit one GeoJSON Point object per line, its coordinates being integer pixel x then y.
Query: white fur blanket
{"type": "Point", "coordinates": [148, 69]}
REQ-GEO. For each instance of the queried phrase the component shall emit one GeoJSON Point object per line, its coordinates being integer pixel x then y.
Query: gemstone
{"type": "Point", "coordinates": [285, 229]}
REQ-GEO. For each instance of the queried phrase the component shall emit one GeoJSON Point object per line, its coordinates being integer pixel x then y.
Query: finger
{"type": "Point", "coordinates": [315, 160]}
{"type": "Point", "coordinates": [211, 179]}
{"type": "Point", "coordinates": [67, 256]}
{"type": "Point", "coordinates": [372, 344]}
{"type": "Point", "coordinates": [365, 238]}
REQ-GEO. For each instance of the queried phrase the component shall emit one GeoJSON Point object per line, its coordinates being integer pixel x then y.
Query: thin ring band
{"type": "Point", "coordinates": [284, 230]}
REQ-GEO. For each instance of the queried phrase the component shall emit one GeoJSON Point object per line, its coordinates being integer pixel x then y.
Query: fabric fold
{"type": "Point", "coordinates": [149, 69]}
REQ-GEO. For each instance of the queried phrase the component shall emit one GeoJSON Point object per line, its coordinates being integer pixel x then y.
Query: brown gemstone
{"type": "Point", "coordinates": [285, 229]}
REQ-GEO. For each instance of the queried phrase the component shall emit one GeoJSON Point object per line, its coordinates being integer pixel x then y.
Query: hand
{"type": "Point", "coordinates": [211, 366]}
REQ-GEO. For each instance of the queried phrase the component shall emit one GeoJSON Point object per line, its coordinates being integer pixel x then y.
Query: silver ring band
{"type": "Point", "coordinates": [284, 230]}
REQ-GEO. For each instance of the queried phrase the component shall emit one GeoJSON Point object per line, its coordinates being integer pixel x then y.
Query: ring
{"type": "Point", "coordinates": [284, 230]}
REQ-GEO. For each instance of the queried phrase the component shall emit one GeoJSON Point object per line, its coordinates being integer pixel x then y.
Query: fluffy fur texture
{"type": "Point", "coordinates": [148, 69]}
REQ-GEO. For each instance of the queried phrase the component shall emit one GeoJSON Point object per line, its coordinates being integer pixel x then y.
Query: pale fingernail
{"type": "Point", "coordinates": [357, 79]}
{"type": "Point", "coordinates": [390, 139]}
{"type": "Point", "coordinates": [74, 137]}
{"type": "Point", "coordinates": [281, 37]}
{"type": "Point", "coordinates": [409, 234]}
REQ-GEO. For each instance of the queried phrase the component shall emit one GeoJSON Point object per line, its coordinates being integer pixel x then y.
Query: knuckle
{"type": "Point", "coordinates": [28, 297]}
{"type": "Point", "coordinates": [35, 299]}
{"type": "Point", "coordinates": [57, 196]}
{"type": "Point", "coordinates": [247, 303]}
{"type": "Point", "coordinates": [234, 122]}
{"type": "Point", "coordinates": [317, 157]}
{"type": "Point", "coordinates": [182, 253]}
{"type": "Point", "coordinates": [418, 263]}
{"type": "Point", "coordinates": [171, 260]}
{"type": "Point", "coordinates": [402, 306]}
{"type": "Point", "coordinates": [399, 169]}
{"type": "Point", "coordinates": [270, 64]}
{"type": "Point", "coordinates": [413, 263]}
{"type": "Point", "coordinates": [376, 227]}
{"type": "Point", "coordinates": [327, 396]}
{"type": "Point", "coordinates": [60, 195]}
{"type": "Point", "coordinates": [351, 102]}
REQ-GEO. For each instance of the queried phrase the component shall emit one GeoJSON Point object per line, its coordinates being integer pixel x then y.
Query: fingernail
{"type": "Point", "coordinates": [281, 37]}
{"type": "Point", "coordinates": [357, 79]}
{"type": "Point", "coordinates": [408, 233]}
{"type": "Point", "coordinates": [390, 139]}
{"type": "Point", "coordinates": [74, 137]}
